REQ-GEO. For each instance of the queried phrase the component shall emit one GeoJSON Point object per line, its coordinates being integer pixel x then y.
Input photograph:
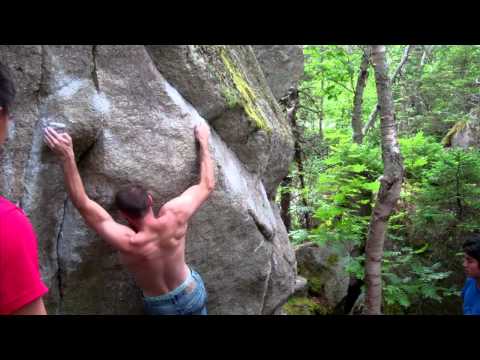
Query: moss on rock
{"type": "Point", "coordinates": [231, 97]}
{"type": "Point", "coordinates": [247, 96]}
{"type": "Point", "coordinates": [332, 260]}
{"type": "Point", "coordinates": [315, 285]}
{"type": "Point", "coordinates": [459, 126]}
{"type": "Point", "coordinates": [315, 280]}
{"type": "Point", "coordinates": [301, 306]}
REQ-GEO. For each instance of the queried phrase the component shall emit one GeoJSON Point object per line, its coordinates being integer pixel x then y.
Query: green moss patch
{"type": "Point", "coordinates": [315, 280]}
{"type": "Point", "coordinates": [300, 306]}
{"type": "Point", "coordinates": [246, 95]}
{"type": "Point", "coordinates": [459, 126]}
{"type": "Point", "coordinates": [315, 285]}
{"type": "Point", "coordinates": [305, 306]}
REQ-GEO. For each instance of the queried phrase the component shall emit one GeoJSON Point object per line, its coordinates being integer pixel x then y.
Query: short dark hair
{"type": "Point", "coordinates": [7, 88]}
{"type": "Point", "coordinates": [133, 201]}
{"type": "Point", "coordinates": [471, 247]}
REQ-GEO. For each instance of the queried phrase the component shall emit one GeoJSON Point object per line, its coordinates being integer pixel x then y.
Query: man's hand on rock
{"type": "Point", "coordinates": [60, 144]}
{"type": "Point", "coordinates": [202, 132]}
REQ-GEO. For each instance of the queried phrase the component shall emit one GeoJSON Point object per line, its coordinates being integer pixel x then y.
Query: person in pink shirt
{"type": "Point", "coordinates": [21, 287]}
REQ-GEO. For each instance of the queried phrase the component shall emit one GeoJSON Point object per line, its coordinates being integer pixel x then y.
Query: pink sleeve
{"type": "Point", "coordinates": [20, 281]}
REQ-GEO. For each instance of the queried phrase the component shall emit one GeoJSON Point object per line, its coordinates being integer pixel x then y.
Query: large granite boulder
{"type": "Point", "coordinates": [465, 134]}
{"type": "Point", "coordinates": [282, 66]}
{"type": "Point", "coordinates": [228, 87]}
{"type": "Point", "coordinates": [324, 269]}
{"type": "Point", "coordinates": [131, 111]}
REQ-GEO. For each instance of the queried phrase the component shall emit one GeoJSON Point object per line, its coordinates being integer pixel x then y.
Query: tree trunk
{"type": "Point", "coordinates": [374, 113]}
{"type": "Point", "coordinates": [458, 194]}
{"type": "Point", "coordinates": [371, 120]}
{"type": "Point", "coordinates": [390, 183]}
{"type": "Point", "coordinates": [320, 118]}
{"type": "Point", "coordinates": [357, 124]}
{"type": "Point", "coordinates": [285, 200]}
{"type": "Point", "coordinates": [292, 107]}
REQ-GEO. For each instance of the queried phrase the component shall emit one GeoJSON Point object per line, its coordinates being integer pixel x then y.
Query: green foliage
{"type": "Point", "coordinates": [419, 153]}
{"type": "Point", "coordinates": [436, 94]}
{"type": "Point", "coordinates": [407, 279]}
{"type": "Point", "coordinates": [356, 266]}
{"type": "Point", "coordinates": [345, 192]}
{"type": "Point", "coordinates": [439, 201]}
{"type": "Point", "coordinates": [298, 236]}
{"type": "Point", "coordinates": [331, 74]}
{"type": "Point", "coordinates": [344, 188]}
{"type": "Point", "coordinates": [448, 204]}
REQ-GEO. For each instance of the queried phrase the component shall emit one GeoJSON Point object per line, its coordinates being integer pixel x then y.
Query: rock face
{"type": "Point", "coordinates": [465, 134]}
{"type": "Point", "coordinates": [282, 66]}
{"type": "Point", "coordinates": [131, 111]}
{"type": "Point", "coordinates": [301, 287]}
{"type": "Point", "coordinates": [324, 268]}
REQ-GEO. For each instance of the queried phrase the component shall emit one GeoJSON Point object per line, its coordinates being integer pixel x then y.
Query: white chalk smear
{"type": "Point", "coordinates": [11, 130]}
{"type": "Point", "coordinates": [71, 88]}
{"type": "Point", "coordinates": [101, 103]}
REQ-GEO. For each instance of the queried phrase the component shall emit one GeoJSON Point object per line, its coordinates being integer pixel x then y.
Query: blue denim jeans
{"type": "Point", "coordinates": [190, 298]}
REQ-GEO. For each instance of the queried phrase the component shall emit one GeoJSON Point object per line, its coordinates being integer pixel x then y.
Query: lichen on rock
{"type": "Point", "coordinates": [247, 94]}
{"type": "Point", "coordinates": [304, 306]}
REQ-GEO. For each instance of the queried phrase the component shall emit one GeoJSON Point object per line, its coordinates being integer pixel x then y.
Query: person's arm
{"type": "Point", "coordinates": [191, 199]}
{"type": "Point", "coordinates": [36, 307]}
{"type": "Point", "coordinates": [117, 235]}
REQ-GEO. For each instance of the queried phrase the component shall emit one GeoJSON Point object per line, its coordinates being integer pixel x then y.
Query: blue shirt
{"type": "Point", "coordinates": [471, 297]}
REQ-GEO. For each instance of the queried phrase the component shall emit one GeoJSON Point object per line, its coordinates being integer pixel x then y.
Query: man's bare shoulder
{"type": "Point", "coordinates": [164, 219]}
{"type": "Point", "coordinates": [169, 211]}
{"type": "Point", "coordinates": [169, 221]}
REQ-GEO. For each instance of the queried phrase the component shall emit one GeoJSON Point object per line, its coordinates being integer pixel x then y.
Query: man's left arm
{"type": "Point", "coordinates": [185, 205]}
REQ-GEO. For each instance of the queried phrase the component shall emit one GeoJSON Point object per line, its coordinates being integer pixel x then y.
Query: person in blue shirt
{"type": "Point", "coordinates": [471, 264]}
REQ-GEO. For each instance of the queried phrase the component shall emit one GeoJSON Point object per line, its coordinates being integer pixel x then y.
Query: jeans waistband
{"type": "Point", "coordinates": [175, 291]}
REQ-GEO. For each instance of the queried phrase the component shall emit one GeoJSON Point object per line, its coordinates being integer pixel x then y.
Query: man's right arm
{"type": "Point", "coordinates": [36, 307]}
{"type": "Point", "coordinates": [189, 201]}
{"type": "Point", "coordinates": [117, 235]}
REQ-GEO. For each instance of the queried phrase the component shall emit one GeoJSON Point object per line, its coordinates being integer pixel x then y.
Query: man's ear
{"type": "Point", "coordinates": [150, 199]}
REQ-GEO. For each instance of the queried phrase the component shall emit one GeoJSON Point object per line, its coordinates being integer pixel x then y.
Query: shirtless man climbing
{"type": "Point", "coordinates": [153, 247]}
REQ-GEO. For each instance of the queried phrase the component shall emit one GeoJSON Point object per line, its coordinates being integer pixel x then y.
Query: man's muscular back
{"type": "Point", "coordinates": [157, 253]}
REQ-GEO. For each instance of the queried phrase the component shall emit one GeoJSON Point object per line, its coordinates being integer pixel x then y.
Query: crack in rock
{"type": "Point", "coordinates": [59, 263]}
{"type": "Point", "coordinates": [267, 233]}
{"type": "Point", "coordinates": [267, 286]}
{"type": "Point", "coordinates": [94, 69]}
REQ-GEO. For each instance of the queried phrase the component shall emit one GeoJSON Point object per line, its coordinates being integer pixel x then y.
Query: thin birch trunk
{"type": "Point", "coordinates": [390, 184]}
{"type": "Point", "coordinates": [374, 113]}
